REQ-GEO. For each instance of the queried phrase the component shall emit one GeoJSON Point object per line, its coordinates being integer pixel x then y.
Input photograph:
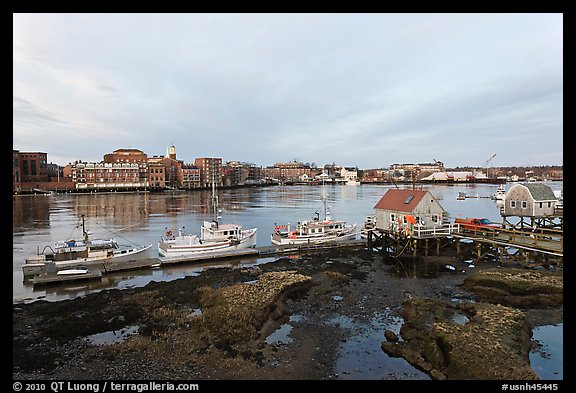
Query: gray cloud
{"type": "Point", "coordinates": [358, 89]}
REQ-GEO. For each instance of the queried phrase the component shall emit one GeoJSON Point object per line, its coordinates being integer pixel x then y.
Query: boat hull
{"type": "Point", "coordinates": [312, 240]}
{"type": "Point", "coordinates": [168, 250]}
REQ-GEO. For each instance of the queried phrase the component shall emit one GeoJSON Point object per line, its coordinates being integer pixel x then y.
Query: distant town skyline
{"type": "Point", "coordinates": [362, 90]}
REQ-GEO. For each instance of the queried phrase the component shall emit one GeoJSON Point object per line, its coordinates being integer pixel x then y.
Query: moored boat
{"type": "Point", "coordinates": [215, 237]}
{"type": "Point", "coordinates": [314, 230]}
{"type": "Point", "coordinates": [73, 255]}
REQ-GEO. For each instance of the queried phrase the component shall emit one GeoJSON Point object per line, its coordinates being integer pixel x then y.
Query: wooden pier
{"type": "Point", "coordinates": [545, 243]}
{"type": "Point", "coordinates": [532, 246]}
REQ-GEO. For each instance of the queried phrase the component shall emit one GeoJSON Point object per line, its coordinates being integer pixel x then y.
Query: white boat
{"type": "Point", "coordinates": [70, 255]}
{"type": "Point", "coordinates": [500, 193]}
{"type": "Point", "coordinates": [369, 225]}
{"type": "Point", "coordinates": [214, 237]}
{"type": "Point", "coordinates": [314, 230]}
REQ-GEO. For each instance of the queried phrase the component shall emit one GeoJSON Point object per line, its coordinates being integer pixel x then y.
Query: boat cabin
{"type": "Point", "coordinates": [212, 230]}
{"type": "Point", "coordinates": [399, 210]}
{"type": "Point", "coordinates": [529, 200]}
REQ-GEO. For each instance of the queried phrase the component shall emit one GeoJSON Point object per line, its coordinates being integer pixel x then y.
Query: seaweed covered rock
{"type": "Point", "coordinates": [464, 341]}
{"type": "Point", "coordinates": [517, 287]}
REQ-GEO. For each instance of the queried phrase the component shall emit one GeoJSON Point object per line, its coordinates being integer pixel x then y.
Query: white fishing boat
{"type": "Point", "coordinates": [314, 230]}
{"type": "Point", "coordinates": [71, 255]}
{"type": "Point", "coordinates": [215, 237]}
{"type": "Point", "coordinates": [369, 225]}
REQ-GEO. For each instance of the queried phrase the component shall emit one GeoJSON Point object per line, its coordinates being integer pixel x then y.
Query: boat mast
{"type": "Point", "coordinates": [214, 196]}
{"type": "Point", "coordinates": [325, 202]}
{"type": "Point", "coordinates": [84, 233]}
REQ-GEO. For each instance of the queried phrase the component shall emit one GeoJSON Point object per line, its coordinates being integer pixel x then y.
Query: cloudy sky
{"type": "Point", "coordinates": [365, 90]}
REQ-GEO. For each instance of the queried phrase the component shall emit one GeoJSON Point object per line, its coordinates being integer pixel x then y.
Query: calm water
{"type": "Point", "coordinates": [141, 218]}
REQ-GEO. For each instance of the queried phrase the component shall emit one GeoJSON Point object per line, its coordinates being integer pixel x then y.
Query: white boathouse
{"type": "Point", "coordinates": [411, 212]}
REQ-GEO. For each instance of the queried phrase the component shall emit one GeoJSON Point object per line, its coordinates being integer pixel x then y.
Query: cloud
{"type": "Point", "coordinates": [367, 89]}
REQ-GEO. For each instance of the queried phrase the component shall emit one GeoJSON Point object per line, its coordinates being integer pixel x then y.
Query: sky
{"type": "Point", "coordinates": [354, 89]}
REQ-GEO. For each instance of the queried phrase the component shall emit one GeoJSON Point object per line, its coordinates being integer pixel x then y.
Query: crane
{"type": "Point", "coordinates": [487, 163]}
{"type": "Point", "coordinates": [489, 160]}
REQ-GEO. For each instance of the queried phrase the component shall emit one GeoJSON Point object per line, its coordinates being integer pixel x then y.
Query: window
{"type": "Point", "coordinates": [409, 199]}
{"type": "Point", "coordinates": [392, 217]}
{"type": "Point", "coordinates": [540, 205]}
{"type": "Point", "coordinates": [512, 204]}
{"type": "Point", "coordinates": [524, 204]}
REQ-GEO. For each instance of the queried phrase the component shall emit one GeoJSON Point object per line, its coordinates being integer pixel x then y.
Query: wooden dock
{"type": "Point", "coordinates": [96, 270]}
{"type": "Point", "coordinates": [207, 257]}
{"type": "Point", "coordinates": [263, 251]}
{"type": "Point", "coordinates": [544, 241]}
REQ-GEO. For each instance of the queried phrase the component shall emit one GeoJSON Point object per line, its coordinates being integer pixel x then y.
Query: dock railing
{"type": "Point", "coordinates": [436, 231]}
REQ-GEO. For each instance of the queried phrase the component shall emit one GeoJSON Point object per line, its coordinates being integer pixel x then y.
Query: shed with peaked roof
{"type": "Point", "coordinates": [400, 209]}
{"type": "Point", "coordinates": [529, 200]}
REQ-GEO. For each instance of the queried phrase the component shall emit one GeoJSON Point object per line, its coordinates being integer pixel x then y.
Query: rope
{"type": "Point", "coordinates": [116, 234]}
{"type": "Point", "coordinates": [402, 252]}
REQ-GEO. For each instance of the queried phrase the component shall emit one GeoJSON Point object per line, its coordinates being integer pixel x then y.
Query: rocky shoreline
{"type": "Point", "coordinates": [217, 325]}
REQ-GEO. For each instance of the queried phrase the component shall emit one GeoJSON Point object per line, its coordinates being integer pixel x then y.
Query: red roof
{"type": "Point", "coordinates": [399, 200]}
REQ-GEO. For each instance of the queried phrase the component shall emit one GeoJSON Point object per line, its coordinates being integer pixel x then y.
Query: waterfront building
{"type": "Point", "coordinates": [422, 167]}
{"type": "Point", "coordinates": [89, 176]}
{"type": "Point", "coordinates": [349, 174]}
{"type": "Point", "coordinates": [31, 173]}
{"type": "Point", "coordinates": [156, 173]}
{"type": "Point", "coordinates": [133, 156]}
{"type": "Point", "coordinates": [529, 200]}
{"type": "Point", "coordinates": [210, 171]}
{"type": "Point", "coordinates": [190, 176]}
{"type": "Point", "coordinates": [375, 175]}
{"type": "Point", "coordinates": [126, 156]}
{"type": "Point", "coordinates": [290, 171]}
{"type": "Point", "coordinates": [29, 167]}
{"type": "Point", "coordinates": [400, 209]}
{"type": "Point", "coordinates": [16, 167]}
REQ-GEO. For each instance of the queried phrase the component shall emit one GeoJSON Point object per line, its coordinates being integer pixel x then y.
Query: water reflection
{"type": "Point", "coordinates": [361, 357]}
{"type": "Point", "coordinates": [140, 218]}
{"type": "Point", "coordinates": [547, 356]}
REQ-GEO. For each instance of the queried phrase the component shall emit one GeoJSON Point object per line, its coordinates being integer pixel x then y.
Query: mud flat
{"type": "Point", "coordinates": [314, 317]}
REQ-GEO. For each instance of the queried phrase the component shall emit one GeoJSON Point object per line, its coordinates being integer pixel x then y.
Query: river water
{"type": "Point", "coordinates": [141, 218]}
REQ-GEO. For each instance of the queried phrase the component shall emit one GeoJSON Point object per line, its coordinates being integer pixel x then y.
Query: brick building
{"type": "Point", "coordinates": [210, 171]}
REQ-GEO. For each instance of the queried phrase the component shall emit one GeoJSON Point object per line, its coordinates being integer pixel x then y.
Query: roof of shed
{"type": "Point", "coordinates": [540, 192]}
{"type": "Point", "coordinates": [395, 200]}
